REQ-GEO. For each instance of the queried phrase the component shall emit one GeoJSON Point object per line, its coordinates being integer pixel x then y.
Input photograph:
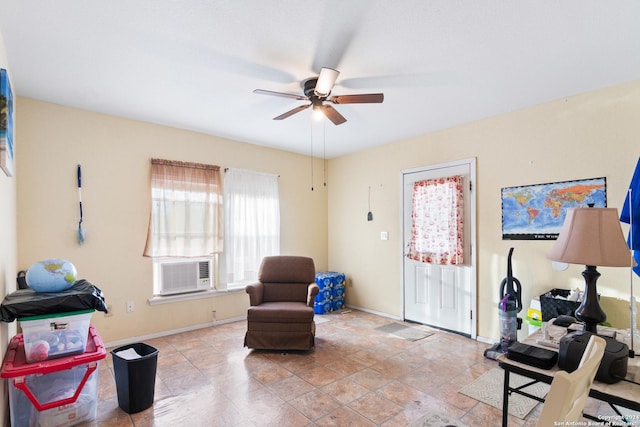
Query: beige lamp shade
{"type": "Point", "coordinates": [591, 236]}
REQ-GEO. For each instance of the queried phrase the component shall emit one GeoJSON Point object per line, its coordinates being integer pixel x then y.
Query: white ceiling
{"type": "Point", "coordinates": [193, 64]}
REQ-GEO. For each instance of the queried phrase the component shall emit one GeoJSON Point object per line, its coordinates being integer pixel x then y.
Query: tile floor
{"type": "Point", "coordinates": [356, 376]}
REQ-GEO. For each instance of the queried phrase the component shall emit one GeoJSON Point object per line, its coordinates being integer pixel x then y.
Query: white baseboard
{"type": "Point", "coordinates": [377, 313]}
{"type": "Point", "coordinates": [131, 340]}
{"type": "Point", "coordinates": [485, 340]}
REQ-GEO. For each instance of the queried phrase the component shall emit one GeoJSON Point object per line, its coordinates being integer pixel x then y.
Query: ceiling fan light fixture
{"type": "Point", "coordinates": [326, 80]}
{"type": "Point", "coordinates": [317, 114]}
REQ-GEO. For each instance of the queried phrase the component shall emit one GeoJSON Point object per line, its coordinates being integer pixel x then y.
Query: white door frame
{"type": "Point", "coordinates": [473, 251]}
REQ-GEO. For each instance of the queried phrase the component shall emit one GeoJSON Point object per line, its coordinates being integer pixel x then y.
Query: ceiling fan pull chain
{"type": "Point", "coordinates": [324, 151]}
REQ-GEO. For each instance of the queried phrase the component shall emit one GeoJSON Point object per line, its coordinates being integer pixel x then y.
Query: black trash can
{"type": "Point", "coordinates": [135, 377]}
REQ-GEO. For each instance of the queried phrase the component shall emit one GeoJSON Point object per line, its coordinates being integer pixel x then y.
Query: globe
{"type": "Point", "coordinates": [51, 275]}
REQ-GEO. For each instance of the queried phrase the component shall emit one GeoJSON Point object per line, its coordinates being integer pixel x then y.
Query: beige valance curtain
{"type": "Point", "coordinates": [437, 233]}
{"type": "Point", "coordinates": [186, 210]}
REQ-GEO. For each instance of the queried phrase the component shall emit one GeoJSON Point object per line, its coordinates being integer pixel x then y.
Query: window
{"type": "Point", "coordinates": [186, 210]}
{"type": "Point", "coordinates": [251, 224]}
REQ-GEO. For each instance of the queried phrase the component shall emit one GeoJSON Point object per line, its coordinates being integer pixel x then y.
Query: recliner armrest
{"type": "Point", "coordinates": [256, 293]}
{"type": "Point", "coordinates": [312, 291]}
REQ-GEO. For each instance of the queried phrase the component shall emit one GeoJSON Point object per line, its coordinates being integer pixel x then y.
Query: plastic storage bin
{"type": "Point", "coordinates": [135, 377]}
{"type": "Point", "coordinates": [552, 307]}
{"type": "Point", "coordinates": [55, 335]}
{"type": "Point", "coordinates": [61, 392]}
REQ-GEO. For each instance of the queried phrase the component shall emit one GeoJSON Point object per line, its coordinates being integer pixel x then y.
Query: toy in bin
{"type": "Point", "coordinates": [49, 345]}
{"type": "Point", "coordinates": [56, 335]}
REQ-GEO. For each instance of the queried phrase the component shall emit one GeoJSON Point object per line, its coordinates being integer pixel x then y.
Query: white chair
{"type": "Point", "coordinates": [569, 391]}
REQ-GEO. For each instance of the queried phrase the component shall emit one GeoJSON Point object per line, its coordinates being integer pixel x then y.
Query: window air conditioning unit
{"type": "Point", "coordinates": [181, 276]}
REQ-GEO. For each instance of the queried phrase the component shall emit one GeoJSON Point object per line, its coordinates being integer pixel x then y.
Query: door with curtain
{"type": "Point", "coordinates": [439, 240]}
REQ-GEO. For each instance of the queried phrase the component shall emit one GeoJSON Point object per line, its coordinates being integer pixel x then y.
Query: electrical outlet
{"type": "Point", "coordinates": [130, 306]}
{"type": "Point", "coordinates": [213, 315]}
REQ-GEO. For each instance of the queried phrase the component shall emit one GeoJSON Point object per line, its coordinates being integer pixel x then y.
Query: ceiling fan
{"type": "Point", "coordinates": [317, 91]}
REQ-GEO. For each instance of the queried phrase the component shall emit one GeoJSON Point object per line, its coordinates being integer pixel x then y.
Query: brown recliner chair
{"type": "Point", "coordinates": [280, 316]}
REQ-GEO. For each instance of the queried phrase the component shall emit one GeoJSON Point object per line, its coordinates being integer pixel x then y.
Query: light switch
{"type": "Point", "coordinates": [384, 235]}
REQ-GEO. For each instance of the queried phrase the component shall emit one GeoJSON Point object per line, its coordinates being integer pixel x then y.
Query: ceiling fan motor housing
{"type": "Point", "coordinates": [309, 86]}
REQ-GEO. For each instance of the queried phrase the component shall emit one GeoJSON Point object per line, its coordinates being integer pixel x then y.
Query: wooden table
{"type": "Point", "coordinates": [625, 393]}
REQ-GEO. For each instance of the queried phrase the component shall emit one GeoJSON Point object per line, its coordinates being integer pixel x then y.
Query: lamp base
{"type": "Point", "coordinates": [590, 311]}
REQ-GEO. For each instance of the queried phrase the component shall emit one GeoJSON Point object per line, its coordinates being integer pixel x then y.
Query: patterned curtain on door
{"type": "Point", "coordinates": [437, 221]}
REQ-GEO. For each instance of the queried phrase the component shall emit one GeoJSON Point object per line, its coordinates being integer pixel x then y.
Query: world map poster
{"type": "Point", "coordinates": [537, 212]}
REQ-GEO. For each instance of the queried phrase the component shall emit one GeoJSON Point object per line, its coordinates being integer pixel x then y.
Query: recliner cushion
{"type": "Point", "coordinates": [280, 311]}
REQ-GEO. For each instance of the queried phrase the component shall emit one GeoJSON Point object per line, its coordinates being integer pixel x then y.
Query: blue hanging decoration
{"type": "Point", "coordinates": [81, 232]}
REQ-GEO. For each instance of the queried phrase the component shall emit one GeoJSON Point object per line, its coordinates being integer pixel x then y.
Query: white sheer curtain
{"type": "Point", "coordinates": [186, 210]}
{"type": "Point", "coordinates": [252, 224]}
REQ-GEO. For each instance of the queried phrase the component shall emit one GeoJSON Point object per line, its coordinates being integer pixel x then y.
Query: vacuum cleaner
{"type": "Point", "coordinates": [509, 306]}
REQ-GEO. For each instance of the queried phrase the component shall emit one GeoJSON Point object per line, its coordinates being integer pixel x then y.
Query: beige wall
{"type": "Point", "coordinates": [115, 156]}
{"type": "Point", "coordinates": [585, 136]}
{"type": "Point", "coordinates": [8, 242]}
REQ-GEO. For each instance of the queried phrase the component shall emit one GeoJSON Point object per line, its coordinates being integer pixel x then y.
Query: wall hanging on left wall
{"type": "Point", "coordinates": [82, 234]}
{"type": "Point", "coordinates": [6, 124]}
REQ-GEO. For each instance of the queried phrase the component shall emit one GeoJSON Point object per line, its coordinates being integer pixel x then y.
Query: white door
{"type": "Point", "coordinates": [443, 296]}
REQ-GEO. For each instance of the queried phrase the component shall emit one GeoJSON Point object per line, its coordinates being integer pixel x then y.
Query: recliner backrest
{"type": "Point", "coordinates": [287, 269]}
{"type": "Point", "coordinates": [286, 277]}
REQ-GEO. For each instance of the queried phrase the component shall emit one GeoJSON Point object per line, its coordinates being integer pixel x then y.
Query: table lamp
{"type": "Point", "coordinates": [591, 236]}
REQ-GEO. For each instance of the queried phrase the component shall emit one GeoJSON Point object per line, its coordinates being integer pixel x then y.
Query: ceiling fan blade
{"type": "Point", "coordinates": [292, 112]}
{"type": "Point", "coordinates": [364, 98]}
{"type": "Point", "coordinates": [426, 79]}
{"type": "Point", "coordinates": [282, 94]}
{"type": "Point", "coordinates": [333, 115]}
{"type": "Point", "coordinates": [338, 30]}
{"type": "Point", "coordinates": [326, 80]}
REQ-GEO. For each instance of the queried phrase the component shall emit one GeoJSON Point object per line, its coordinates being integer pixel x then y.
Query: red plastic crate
{"type": "Point", "coordinates": [15, 366]}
